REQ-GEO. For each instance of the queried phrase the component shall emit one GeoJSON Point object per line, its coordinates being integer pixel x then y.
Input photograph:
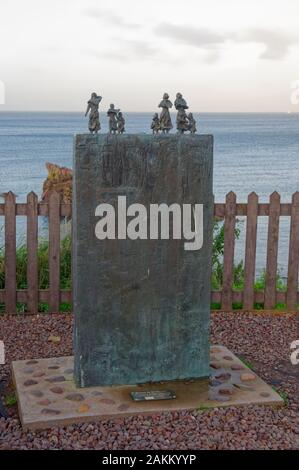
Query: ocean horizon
{"type": "Point", "coordinates": [252, 152]}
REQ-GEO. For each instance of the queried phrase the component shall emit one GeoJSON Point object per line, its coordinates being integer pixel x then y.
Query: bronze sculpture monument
{"type": "Point", "coordinates": [93, 109]}
{"type": "Point", "coordinates": [165, 119]}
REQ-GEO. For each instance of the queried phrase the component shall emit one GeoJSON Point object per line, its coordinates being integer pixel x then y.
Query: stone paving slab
{"type": "Point", "coordinates": [48, 397]}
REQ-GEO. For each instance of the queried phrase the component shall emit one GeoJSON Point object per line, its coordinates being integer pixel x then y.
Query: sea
{"type": "Point", "coordinates": [252, 152]}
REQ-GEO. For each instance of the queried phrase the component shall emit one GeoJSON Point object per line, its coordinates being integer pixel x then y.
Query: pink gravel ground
{"type": "Point", "coordinates": [263, 341]}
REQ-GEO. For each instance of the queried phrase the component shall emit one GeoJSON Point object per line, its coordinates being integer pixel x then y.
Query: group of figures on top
{"type": "Point", "coordinates": [184, 122]}
{"type": "Point", "coordinates": [115, 116]}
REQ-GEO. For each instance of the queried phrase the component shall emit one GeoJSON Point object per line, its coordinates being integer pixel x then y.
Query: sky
{"type": "Point", "coordinates": [222, 55]}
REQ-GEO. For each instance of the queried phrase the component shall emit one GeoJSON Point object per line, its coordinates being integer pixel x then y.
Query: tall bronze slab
{"type": "Point", "coordinates": [142, 307]}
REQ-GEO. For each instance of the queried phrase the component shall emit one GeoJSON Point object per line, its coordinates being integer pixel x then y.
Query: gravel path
{"type": "Point", "coordinates": [263, 341]}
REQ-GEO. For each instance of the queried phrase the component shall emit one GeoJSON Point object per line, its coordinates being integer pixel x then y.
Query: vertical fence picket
{"type": "Point", "coordinates": [10, 253]}
{"type": "Point", "coordinates": [293, 264]}
{"type": "Point", "coordinates": [250, 251]}
{"type": "Point", "coordinates": [32, 247]}
{"type": "Point", "coordinates": [54, 252]}
{"type": "Point", "coordinates": [229, 246]}
{"type": "Point", "coordinates": [272, 252]}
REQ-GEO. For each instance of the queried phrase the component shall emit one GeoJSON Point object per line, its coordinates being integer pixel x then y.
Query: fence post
{"type": "Point", "coordinates": [272, 251]}
{"type": "Point", "coordinates": [10, 253]}
{"type": "Point", "coordinates": [293, 264]}
{"type": "Point", "coordinates": [32, 247]}
{"type": "Point", "coordinates": [250, 251]}
{"type": "Point", "coordinates": [229, 246]}
{"type": "Point", "coordinates": [54, 252]}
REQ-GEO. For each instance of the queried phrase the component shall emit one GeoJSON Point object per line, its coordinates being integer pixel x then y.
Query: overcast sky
{"type": "Point", "coordinates": [223, 55]}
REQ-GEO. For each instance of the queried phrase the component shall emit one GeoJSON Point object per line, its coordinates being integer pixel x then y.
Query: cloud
{"type": "Point", "coordinates": [198, 37]}
{"type": "Point", "coordinates": [108, 16]}
{"type": "Point", "coordinates": [127, 50]}
{"type": "Point", "coordinates": [276, 43]}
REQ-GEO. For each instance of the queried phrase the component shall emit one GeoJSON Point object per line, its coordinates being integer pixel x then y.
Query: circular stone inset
{"type": "Point", "coordinates": [31, 362]}
{"type": "Point", "coordinates": [44, 402]}
{"type": "Point", "coordinates": [215, 350]}
{"type": "Point", "coordinates": [57, 389]}
{"type": "Point", "coordinates": [123, 407]}
{"type": "Point", "coordinates": [227, 358]}
{"type": "Point", "coordinates": [107, 401]}
{"type": "Point", "coordinates": [74, 397]}
{"type": "Point", "coordinates": [38, 374]}
{"type": "Point", "coordinates": [247, 377]}
{"type": "Point", "coordinates": [53, 367]}
{"type": "Point", "coordinates": [28, 371]}
{"type": "Point", "coordinates": [237, 367]}
{"type": "Point", "coordinates": [83, 408]}
{"type": "Point", "coordinates": [37, 393]}
{"type": "Point", "coordinates": [49, 411]}
{"type": "Point", "coordinates": [223, 398]}
{"type": "Point", "coordinates": [225, 391]}
{"type": "Point", "coordinates": [215, 365]}
{"type": "Point", "coordinates": [58, 378]}
{"type": "Point", "coordinates": [215, 383]}
{"type": "Point", "coordinates": [29, 382]}
{"type": "Point", "coordinates": [97, 394]}
{"type": "Point", "coordinates": [223, 377]}
{"type": "Point", "coordinates": [264, 394]}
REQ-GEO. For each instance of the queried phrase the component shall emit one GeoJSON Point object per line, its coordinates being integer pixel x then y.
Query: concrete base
{"type": "Point", "coordinates": [48, 397]}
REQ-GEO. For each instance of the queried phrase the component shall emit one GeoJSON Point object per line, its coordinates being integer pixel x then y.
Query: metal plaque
{"type": "Point", "coordinates": [153, 395]}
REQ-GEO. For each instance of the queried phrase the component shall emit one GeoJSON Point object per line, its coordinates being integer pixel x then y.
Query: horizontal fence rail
{"type": "Point", "coordinates": [228, 211]}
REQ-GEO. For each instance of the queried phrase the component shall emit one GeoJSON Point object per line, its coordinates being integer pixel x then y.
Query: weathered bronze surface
{"type": "Point", "coordinates": [141, 307]}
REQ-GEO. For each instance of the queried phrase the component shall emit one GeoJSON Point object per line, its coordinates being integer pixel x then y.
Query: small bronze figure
{"type": "Point", "coordinates": [112, 115]}
{"type": "Point", "coordinates": [120, 123]}
{"type": "Point", "coordinates": [182, 119]}
{"type": "Point", "coordinates": [93, 109]}
{"type": "Point", "coordinates": [192, 124]}
{"type": "Point", "coordinates": [165, 119]}
{"type": "Point", "coordinates": [155, 126]}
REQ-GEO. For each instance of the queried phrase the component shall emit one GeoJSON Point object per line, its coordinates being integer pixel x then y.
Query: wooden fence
{"type": "Point", "coordinates": [228, 211]}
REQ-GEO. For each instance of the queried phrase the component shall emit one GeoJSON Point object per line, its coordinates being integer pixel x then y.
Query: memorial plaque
{"type": "Point", "coordinates": [141, 300]}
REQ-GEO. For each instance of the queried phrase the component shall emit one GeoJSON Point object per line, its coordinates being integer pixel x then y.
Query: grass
{"type": "Point", "coordinates": [246, 363]}
{"type": "Point", "coordinates": [283, 395]}
{"type": "Point", "coordinates": [10, 399]}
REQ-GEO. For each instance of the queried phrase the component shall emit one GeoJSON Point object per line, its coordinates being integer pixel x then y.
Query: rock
{"type": "Point", "coordinates": [60, 180]}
